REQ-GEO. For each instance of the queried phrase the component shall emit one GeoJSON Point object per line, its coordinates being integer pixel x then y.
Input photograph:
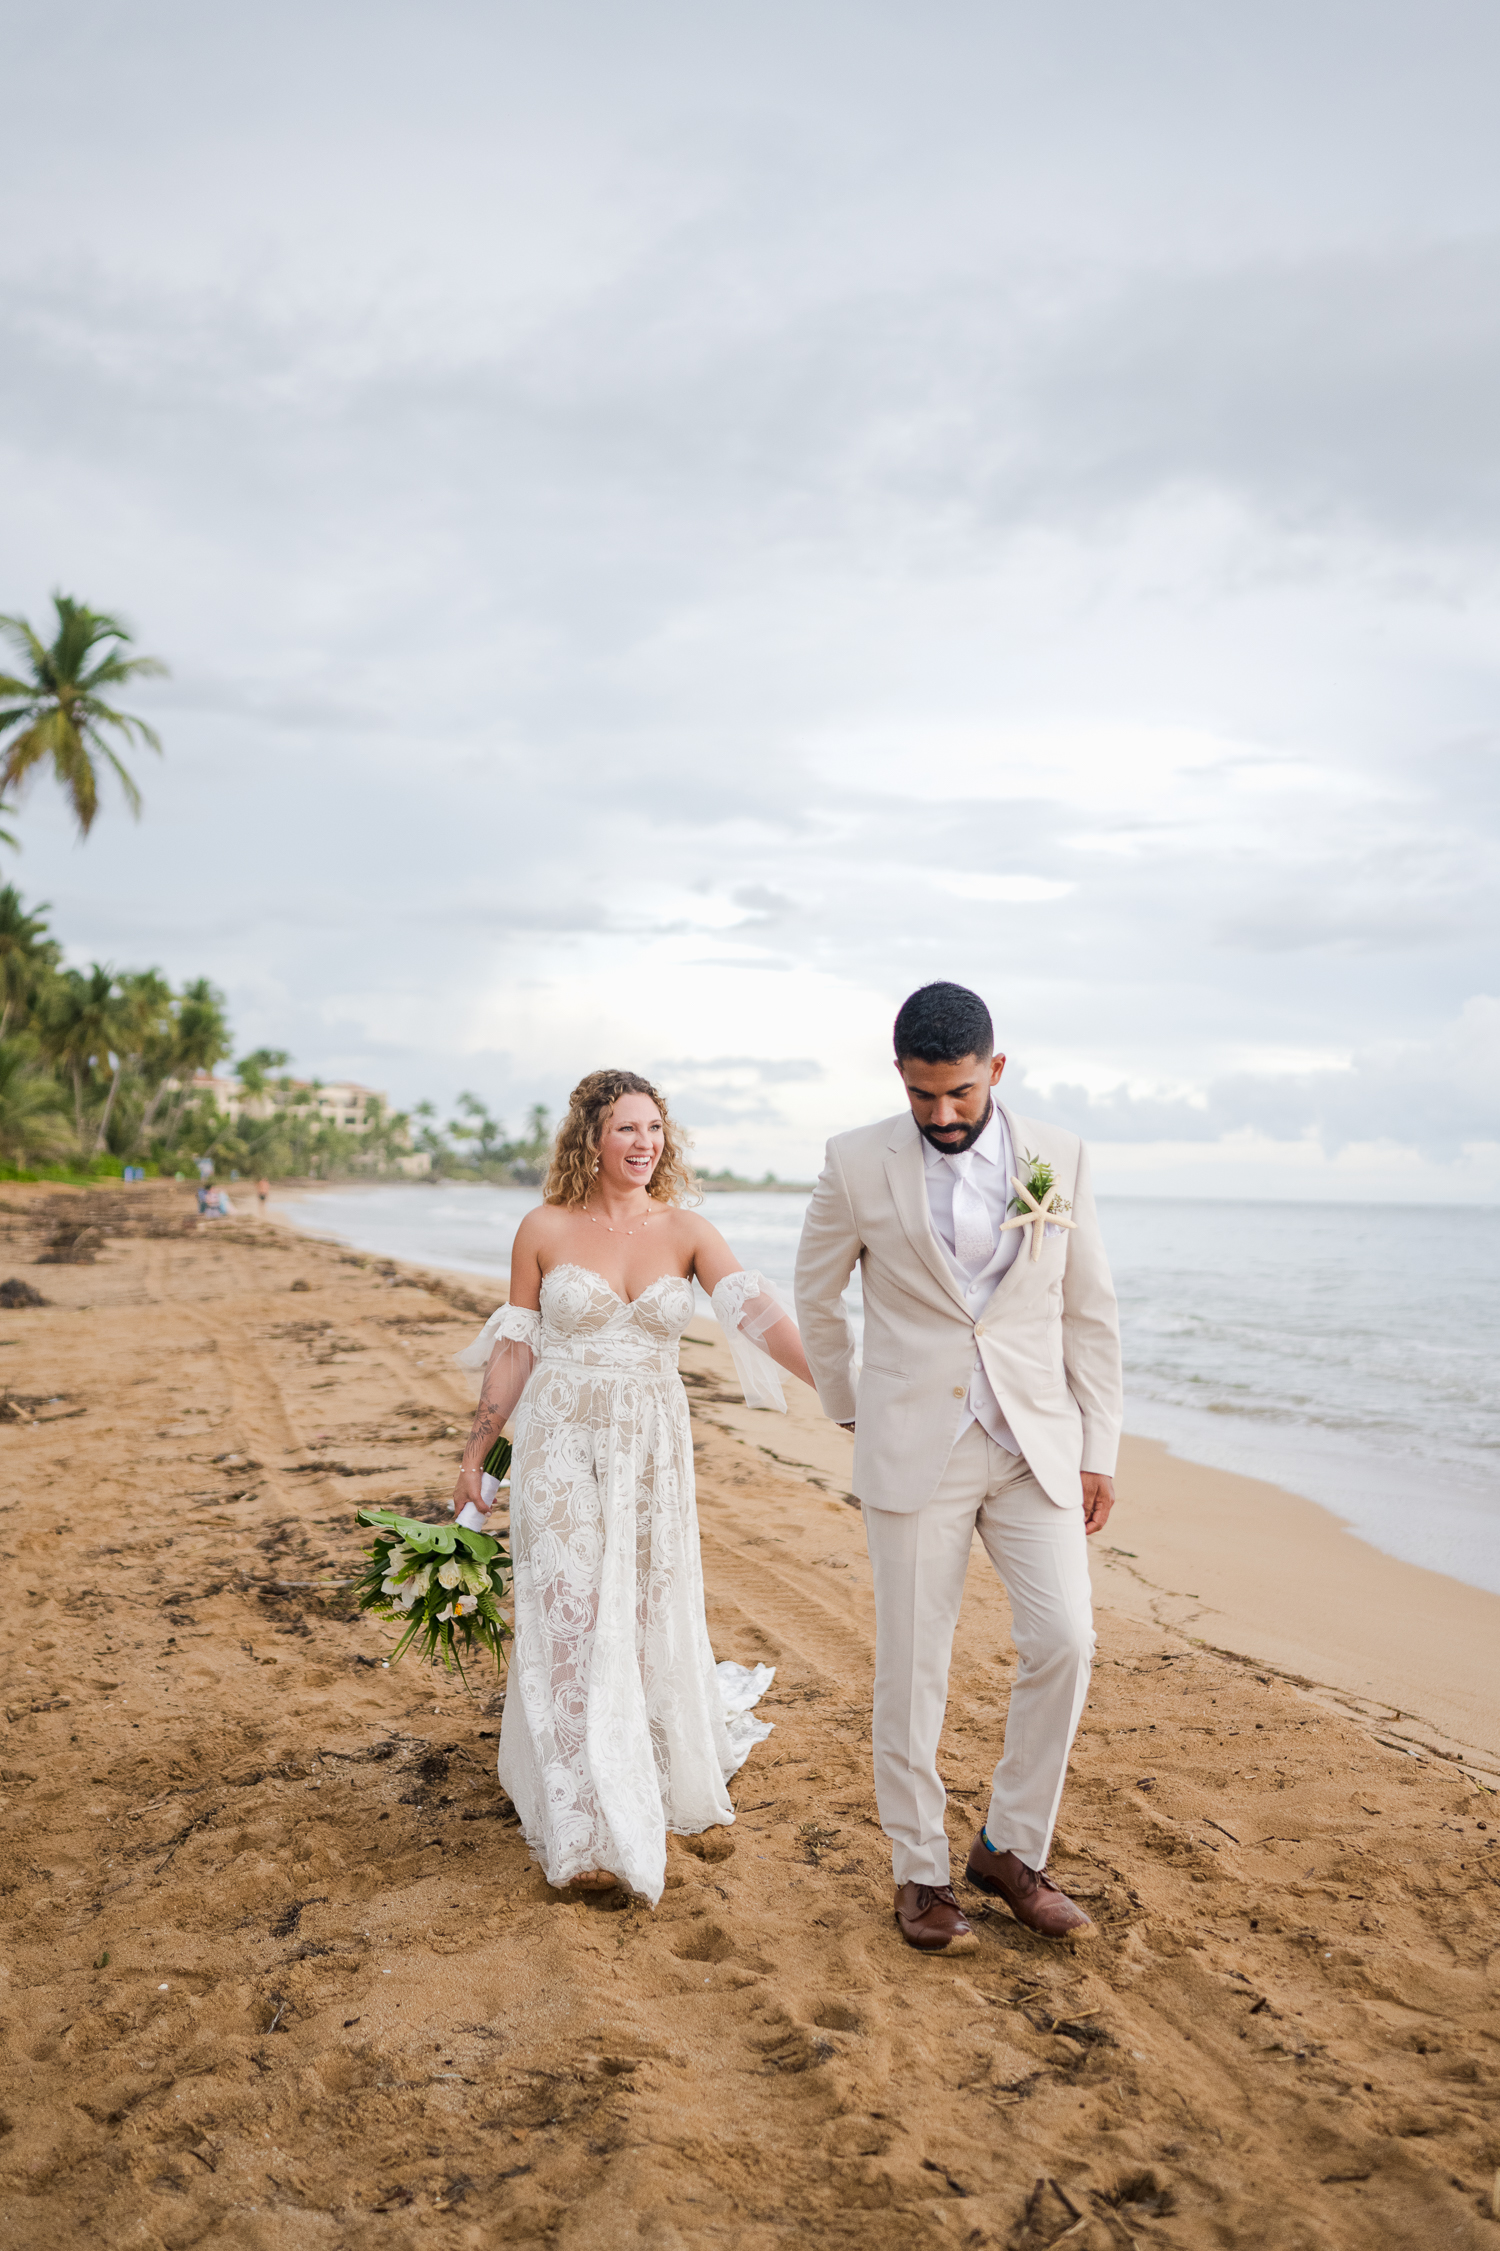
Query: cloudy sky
{"type": "Point", "coordinates": [672, 526]}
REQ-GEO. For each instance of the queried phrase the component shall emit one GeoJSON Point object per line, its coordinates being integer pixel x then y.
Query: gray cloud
{"type": "Point", "coordinates": [1439, 1094]}
{"type": "Point", "coordinates": [623, 509]}
{"type": "Point", "coordinates": [767, 1069]}
{"type": "Point", "coordinates": [1363, 385]}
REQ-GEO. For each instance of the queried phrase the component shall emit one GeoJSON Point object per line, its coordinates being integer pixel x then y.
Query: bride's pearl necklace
{"type": "Point", "coordinates": [604, 1223]}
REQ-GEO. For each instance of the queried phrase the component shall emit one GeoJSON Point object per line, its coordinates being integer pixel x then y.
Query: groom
{"type": "Point", "coordinates": [989, 1401]}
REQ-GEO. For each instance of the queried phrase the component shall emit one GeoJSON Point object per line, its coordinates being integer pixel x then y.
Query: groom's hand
{"type": "Point", "coordinates": [1098, 1500]}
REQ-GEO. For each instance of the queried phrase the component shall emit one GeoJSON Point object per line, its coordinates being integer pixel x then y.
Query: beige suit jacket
{"type": "Point", "coordinates": [1049, 1337]}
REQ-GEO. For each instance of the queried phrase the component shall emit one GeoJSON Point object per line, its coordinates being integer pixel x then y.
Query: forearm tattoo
{"type": "Point", "coordinates": [485, 1429]}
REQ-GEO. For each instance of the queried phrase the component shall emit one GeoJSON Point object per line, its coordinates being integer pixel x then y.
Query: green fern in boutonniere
{"type": "Point", "coordinates": [1036, 1203]}
{"type": "Point", "coordinates": [1039, 1184]}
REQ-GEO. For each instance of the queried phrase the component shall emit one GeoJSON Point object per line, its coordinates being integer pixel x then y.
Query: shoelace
{"type": "Point", "coordinates": [927, 1893]}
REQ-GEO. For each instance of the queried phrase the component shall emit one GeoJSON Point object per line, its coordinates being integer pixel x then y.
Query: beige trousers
{"type": "Point", "coordinates": [919, 1560]}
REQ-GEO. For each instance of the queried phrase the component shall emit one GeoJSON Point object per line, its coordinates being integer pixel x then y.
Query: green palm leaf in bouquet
{"type": "Point", "coordinates": [442, 1582]}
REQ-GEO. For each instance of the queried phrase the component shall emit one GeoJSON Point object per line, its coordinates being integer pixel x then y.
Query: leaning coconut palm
{"type": "Point", "coordinates": [60, 710]}
{"type": "Point", "coordinates": [33, 1113]}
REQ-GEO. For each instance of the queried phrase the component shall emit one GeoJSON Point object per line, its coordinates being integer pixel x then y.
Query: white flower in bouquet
{"type": "Point", "coordinates": [409, 1591]}
{"type": "Point", "coordinates": [464, 1607]}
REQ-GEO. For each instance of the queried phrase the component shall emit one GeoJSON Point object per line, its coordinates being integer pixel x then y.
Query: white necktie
{"type": "Point", "coordinates": [973, 1232]}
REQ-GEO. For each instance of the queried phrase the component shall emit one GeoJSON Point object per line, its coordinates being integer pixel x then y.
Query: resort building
{"type": "Point", "coordinates": [338, 1102]}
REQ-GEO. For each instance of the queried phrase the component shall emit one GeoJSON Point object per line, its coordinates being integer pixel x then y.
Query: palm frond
{"type": "Point", "coordinates": [74, 769]}
{"type": "Point", "coordinates": [94, 711]}
{"type": "Point", "coordinates": [80, 629]}
{"type": "Point", "coordinates": [23, 752]}
{"type": "Point", "coordinates": [111, 670]}
{"type": "Point", "coordinates": [125, 778]}
{"type": "Point", "coordinates": [16, 629]}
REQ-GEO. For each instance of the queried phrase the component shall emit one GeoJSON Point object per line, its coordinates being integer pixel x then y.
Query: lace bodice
{"type": "Point", "coordinates": [584, 1320]}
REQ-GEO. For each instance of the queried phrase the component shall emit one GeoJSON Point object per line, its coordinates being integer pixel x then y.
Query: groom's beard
{"type": "Point", "coordinates": [958, 1142]}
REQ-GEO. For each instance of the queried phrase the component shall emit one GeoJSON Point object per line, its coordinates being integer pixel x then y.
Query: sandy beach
{"type": "Point", "coordinates": [281, 1973]}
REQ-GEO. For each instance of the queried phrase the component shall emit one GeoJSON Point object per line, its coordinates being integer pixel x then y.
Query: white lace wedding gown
{"type": "Point", "coordinates": [618, 1726]}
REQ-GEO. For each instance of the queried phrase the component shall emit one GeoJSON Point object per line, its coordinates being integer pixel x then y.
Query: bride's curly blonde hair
{"type": "Point", "coordinates": [575, 1153]}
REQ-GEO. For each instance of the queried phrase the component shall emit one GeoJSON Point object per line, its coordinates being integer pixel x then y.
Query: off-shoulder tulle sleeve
{"type": "Point", "coordinates": [511, 1324]}
{"type": "Point", "coordinates": [745, 1309]}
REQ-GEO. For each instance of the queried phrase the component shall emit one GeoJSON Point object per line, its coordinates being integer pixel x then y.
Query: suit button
{"type": "Point", "coordinates": [958, 1390]}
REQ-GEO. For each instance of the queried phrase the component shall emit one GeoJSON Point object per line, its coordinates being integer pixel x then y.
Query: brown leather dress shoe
{"type": "Point", "coordinates": [931, 1919]}
{"type": "Point", "coordinates": [1029, 1893]}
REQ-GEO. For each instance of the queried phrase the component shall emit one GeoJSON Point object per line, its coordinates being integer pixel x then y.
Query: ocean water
{"type": "Point", "coordinates": [1350, 1353]}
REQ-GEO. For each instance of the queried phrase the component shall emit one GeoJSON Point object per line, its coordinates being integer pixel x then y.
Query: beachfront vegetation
{"type": "Point", "coordinates": [58, 709]}
{"type": "Point", "coordinates": [102, 1068]}
{"type": "Point", "coordinates": [474, 1145]}
{"type": "Point", "coordinates": [33, 1112]}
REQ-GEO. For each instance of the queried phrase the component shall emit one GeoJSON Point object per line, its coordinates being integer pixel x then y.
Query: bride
{"type": "Point", "coordinates": [615, 1728]}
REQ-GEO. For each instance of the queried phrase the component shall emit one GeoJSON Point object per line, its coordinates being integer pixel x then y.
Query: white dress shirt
{"type": "Point", "coordinates": [979, 1180]}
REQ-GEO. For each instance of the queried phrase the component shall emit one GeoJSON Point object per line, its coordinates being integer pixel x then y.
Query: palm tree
{"type": "Point", "coordinates": [476, 1124]}
{"type": "Point", "coordinates": [25, 953]}
{"type": "Point", "coordinates": [33, 1115]}
{"type": "Point", "coordinates": [60, 710]}
{"type": "Point", "coordinates": [202, 1041]}
{"type": "Point", "coordinates": [143, 1029]}
{"type": "Point", "coordinates": [254, 1071]}
{"type": "Point", "coordinates": [81, 1027]}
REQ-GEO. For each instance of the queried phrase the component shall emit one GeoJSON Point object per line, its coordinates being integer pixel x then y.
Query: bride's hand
{"type": "Point", "coordinates": [466, 1493]}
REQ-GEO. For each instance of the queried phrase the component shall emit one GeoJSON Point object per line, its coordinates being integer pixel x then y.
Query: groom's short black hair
{"type": "Point", "coordinates": [940, 1023]}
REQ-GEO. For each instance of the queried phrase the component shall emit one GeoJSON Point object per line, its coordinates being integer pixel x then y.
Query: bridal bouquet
{"type": "Point", "coordinates": [443, 1581]}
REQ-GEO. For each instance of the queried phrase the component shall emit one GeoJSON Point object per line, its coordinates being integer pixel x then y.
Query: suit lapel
{"type": "Point", "coordinates": [906, 1171]}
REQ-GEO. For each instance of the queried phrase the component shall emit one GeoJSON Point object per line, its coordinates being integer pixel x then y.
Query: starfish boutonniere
{"type": "Point", "coordinates": [1036, 1203]}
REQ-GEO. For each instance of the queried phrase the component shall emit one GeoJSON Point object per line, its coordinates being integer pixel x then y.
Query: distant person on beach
{"type": "Point", "coordinates": [619, 1728]}
{"type": "Point", "coordinates": [989, 1401]}
{"type": "Point", "coordinates": [262, 1190]}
